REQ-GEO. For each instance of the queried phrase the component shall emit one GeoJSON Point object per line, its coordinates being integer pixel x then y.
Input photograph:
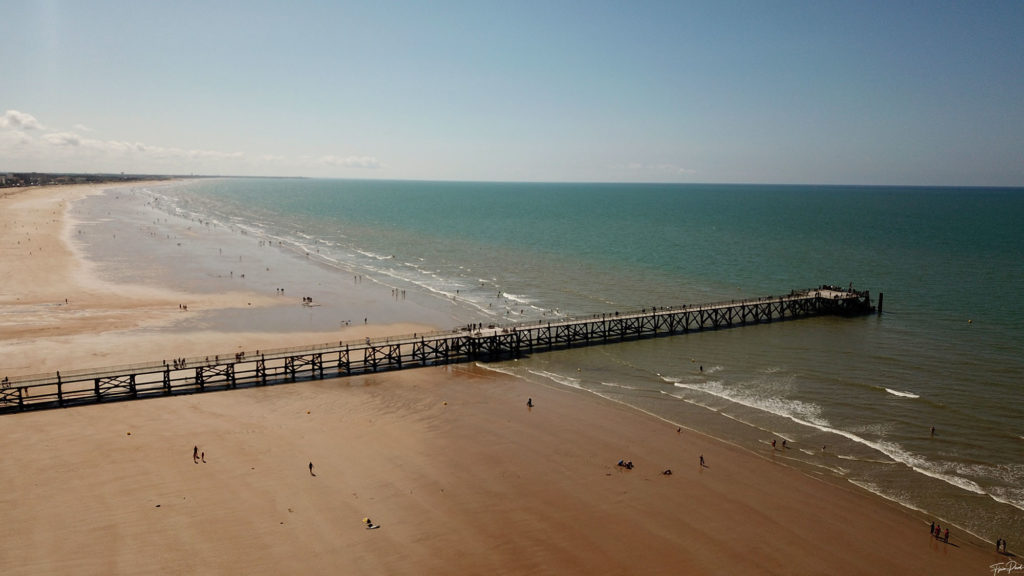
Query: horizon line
{"type": "Point", "coordinates": [137, 176]}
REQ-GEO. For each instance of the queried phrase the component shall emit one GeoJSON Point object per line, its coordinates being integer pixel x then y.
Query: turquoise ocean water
{"type": "Point", "coordinates": [854, 398]}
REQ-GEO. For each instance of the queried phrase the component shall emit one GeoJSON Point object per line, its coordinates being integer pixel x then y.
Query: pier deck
{"type": "Point", "coordinates": [493, 343]}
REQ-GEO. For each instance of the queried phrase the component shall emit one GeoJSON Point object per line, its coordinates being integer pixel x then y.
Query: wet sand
{"type": "Point", "coordinates": [461, 476]}
{"type": "Point", "coordinates": [60, 309]}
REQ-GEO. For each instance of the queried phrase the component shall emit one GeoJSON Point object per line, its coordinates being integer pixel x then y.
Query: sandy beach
{"type": "Point", "coordinates": [460, 475]}
{"type": "Point", "coordinates": [57, 310]}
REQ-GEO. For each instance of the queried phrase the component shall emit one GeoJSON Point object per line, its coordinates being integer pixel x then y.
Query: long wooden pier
{"type": "Point", "coordinates": [263, 368]}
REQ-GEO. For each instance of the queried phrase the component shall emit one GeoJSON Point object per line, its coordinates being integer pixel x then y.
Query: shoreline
{"type": "Point", "coordinates": [57, 298]}
{"type": "Point", "coordinates": [443, 460]}
{"type": "Point", "coordinates": [533, 477]}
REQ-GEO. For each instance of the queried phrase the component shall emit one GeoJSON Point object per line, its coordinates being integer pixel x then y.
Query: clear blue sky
{"type": "Point", "coordinates": [928, 93]}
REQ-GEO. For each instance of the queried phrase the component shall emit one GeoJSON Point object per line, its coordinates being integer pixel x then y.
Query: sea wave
{"type": "Point", "coordinates": [888, 495]}
{"type": "Point", "coordinates": [742, 421]}
{"type": "Point", "coordinates": [913, 461]}
{"type": "Point", "coordinates": [560, 379]}
{"type": "Point", "coordinates": [371, 255]}
{"type": "Point", "coordinates": [806, 414]}
{"type": "Point", "coordinates": [871, 460]}
{"type": "Point", "coordinates": [690, 401]}
{"type": "Point", "coordinates": [796, 410]}
{"type": "Point", "coordinates": [1009, 496]}
{"type": "Point", "coordinates": [617, 385]}
{"type": "Point", "coordinates": [901, 394]}
{"type": "Point", "coordinates": [500, 370]}
{"type": "Point", "coordinates": [516, 298]}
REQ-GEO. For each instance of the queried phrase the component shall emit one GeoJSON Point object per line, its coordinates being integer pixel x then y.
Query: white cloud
{"type": "Point", "coordinates": [210, 154]}
{"type": "Point", "coordinates": [13, 120]}
{"type": "Point", "coordinates": [351, 161]}
{"type": "Point", "coordinates": [133, 149]}
{"type": "Point", "coordinates": [658, 169]}
{"type": "Point", "coordinates": [14, 139]}
{"type": "Point", "coordinates": [26, 145]}
{"type": "Point", "coordinates": [63, 138]}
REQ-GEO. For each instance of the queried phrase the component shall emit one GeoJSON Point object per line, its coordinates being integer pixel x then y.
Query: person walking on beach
{"type": "Point", "coordinates": [702, 461]}
{"type": "Point", "coordinates": [529, 402]}
{"type": "Point", "coordinates": [945, 537]}
{"type": "Point", "coordinates": [195, 454]}
{"type": "Point", "coordinates": [311, 469]}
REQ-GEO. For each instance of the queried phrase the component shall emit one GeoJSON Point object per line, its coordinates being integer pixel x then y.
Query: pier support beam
{"type": "Point", "coordinates": [490, 344]}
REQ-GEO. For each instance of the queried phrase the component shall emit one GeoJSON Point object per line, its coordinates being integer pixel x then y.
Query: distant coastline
{"type": "Point", "coordinates": [30, 179]}
{"type": "Point", "coordinates": [27, 179]}
{"type": "Point", "coordinates": [9, 179]}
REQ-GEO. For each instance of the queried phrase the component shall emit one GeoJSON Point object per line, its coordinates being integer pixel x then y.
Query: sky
{"type": "Point", "coordinates": [818, 92]}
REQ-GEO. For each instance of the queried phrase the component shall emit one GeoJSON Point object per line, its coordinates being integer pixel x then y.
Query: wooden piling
{"type": "Point", "coordinates": [494, 343]}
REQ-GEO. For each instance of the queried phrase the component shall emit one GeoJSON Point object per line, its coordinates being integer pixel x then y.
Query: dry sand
{"type": "Point", "coordinates": [460, 475]}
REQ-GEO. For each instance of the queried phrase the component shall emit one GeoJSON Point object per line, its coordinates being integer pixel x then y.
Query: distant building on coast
{"type": "Point", "coordinates": [16, 179]}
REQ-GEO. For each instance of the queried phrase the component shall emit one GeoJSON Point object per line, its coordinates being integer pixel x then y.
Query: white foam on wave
{"type": "Point", "coordinates": [575, 383]}
{"type": "Point", "coordinates": [560, 379]}
{"type": "Point", "coordinates": [1005, 481]}
{"type": "Point", "coordinates": [806, 414]}
{"type": "Point", "coordinates": [689, 401]}
{"type": "Point", "coordinates": [1008, 496]}
{"type": "Point", "coordinates": [856, 459]}
{"type": "Point", "coordinates": [617, 385]}
{"type": "Point", "coordinates": [516, 298]}
{"type": "Point", "coordinates": [498, 369]}
{"type": "Point", "coordinates": [913, 461]}
{"type": "Point", "coordinates": [373, 255]}
{"type": "Point", "coordinates": [796, 410]}
{"type": "Point", "coordinates": [901, 394]}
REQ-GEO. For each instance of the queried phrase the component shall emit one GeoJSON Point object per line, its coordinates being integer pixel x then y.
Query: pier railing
{"type": "Point", "coordinates": [471, 343]}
